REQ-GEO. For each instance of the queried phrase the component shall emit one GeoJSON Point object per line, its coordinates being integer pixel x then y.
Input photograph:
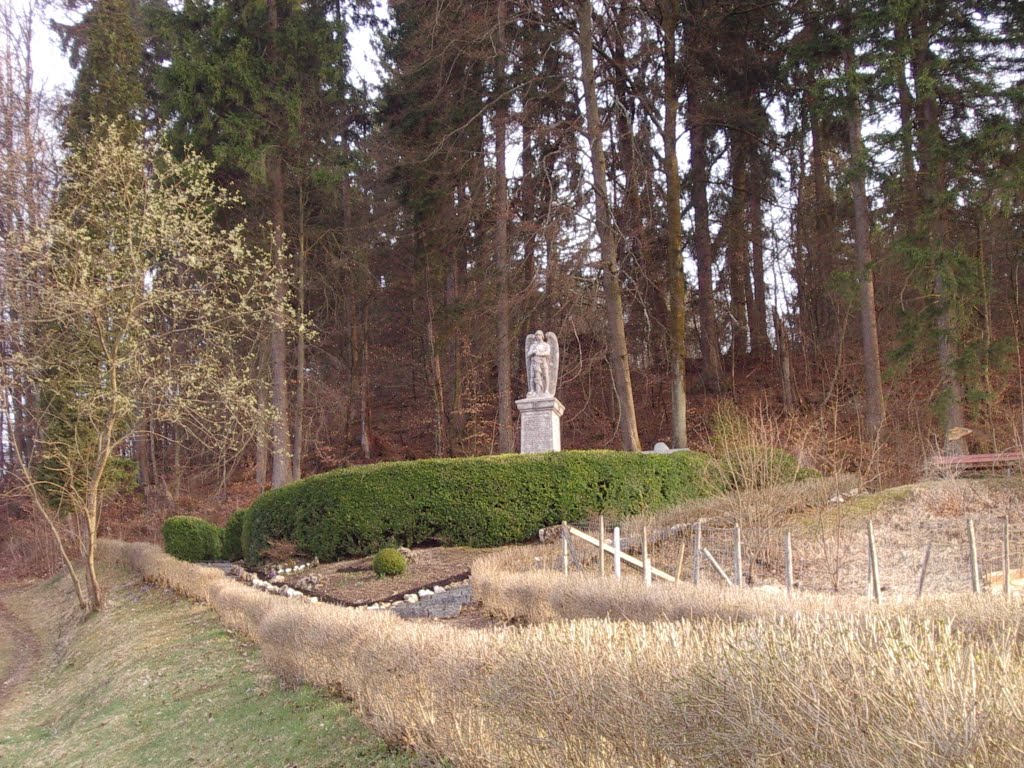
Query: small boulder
{"type": "Point", "coordinates": [411, 598]}
{"type": "Point", "coordinates": [425, 592]}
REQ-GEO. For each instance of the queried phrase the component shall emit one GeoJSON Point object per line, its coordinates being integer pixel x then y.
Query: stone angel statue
{"type": "Point", "coordinates": [541, 364]}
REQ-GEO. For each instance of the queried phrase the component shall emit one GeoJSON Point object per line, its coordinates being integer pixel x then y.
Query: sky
{"type": "Point", "coordinates": [52, 71]}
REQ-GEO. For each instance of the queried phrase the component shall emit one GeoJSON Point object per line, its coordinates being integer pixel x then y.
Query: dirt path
{"type": "Point", "coordinates": [23, 651]}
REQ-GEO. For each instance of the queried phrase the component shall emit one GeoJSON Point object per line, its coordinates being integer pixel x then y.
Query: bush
{"type": "Point", "coordinates": [389, 562]}
{"type": "Point", "coordinates": [749, 452]}
{"type": "Point", "coordinates": [233, 549]}
{"type": "Point", "coordinates": [478, 502]}
{"type": "Point", "coordinates": [192, 539]}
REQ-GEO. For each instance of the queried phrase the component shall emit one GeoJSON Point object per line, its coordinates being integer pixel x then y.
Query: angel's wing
{"type": "Point", "coordinates": [530, 341]}
{"type": "Point", "coordinates": [553, 377]}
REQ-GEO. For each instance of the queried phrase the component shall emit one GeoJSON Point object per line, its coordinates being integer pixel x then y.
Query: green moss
{"type": "Point", "coordinates": [477, 502]}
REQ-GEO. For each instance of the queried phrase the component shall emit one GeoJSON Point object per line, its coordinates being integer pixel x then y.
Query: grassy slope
{"type": "Point", "coordinates": [155, 681]}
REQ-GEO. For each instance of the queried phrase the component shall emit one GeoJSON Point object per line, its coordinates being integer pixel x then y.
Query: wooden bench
{"type": "Point", "coordinates": [978, 461]}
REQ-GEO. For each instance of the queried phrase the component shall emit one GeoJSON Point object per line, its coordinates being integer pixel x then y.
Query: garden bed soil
{"type": "Point", "coordinates": [353, 582]}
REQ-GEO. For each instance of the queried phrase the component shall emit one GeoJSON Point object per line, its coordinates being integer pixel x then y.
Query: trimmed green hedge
{"type": "Point", "coordinates": [191, 538]}
{"type": "Point", "coordinates": [479, 502]}
{"type": "Point", "coordinates": [233, 536]}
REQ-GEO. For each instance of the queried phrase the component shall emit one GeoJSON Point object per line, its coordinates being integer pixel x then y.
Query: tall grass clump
{"type": "Point", "coordinates": [806, 688]}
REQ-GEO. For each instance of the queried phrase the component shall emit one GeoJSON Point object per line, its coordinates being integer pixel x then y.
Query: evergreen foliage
{"type": "Point", "coordinates": [192, 539]}
{"type": "Point", "coordinates": [478, 502]}
{"type": "Point", "coordinates": [233, 530]}
{"type": "Point", "coordinates": [389, 562]}
{"type": "Point", "coordinates": [107, 47]}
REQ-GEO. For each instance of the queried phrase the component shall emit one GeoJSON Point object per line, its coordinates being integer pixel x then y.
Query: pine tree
{"type": "Point", "coordinates": [260, 88]}
{"type": "Point", "coordinates": [108, 48]}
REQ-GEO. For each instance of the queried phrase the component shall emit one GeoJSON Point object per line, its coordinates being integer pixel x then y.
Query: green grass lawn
{"type": "Point", "coordinates": [155, 681]}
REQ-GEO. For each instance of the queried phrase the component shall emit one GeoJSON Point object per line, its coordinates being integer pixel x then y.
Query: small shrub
{"type": "Point", "coordinates": [389, 562]}
{"type": "Point", "coordinates": [233, 536]}
{"type": "Point", "coordinates": [749, 452]}
{"type": "Point", "coordinates": [477, 502]}
{"type": "Point", "coordinates": [192, 539]}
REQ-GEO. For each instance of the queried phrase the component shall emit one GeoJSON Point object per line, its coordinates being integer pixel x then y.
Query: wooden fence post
{"type": "Point", "coordinates": [679, 563]}
{"type": "Point", "coordinates": [697, 549]}
{"type": "Point", "coordinates": [600, 550]}
{"type": "Point", "coordinates": [924, 570]}
{"type": "Point", "coordinates": [972, 544]}
{"type": "Point", "coordinates": [737, 555]}
{"type": "Point", "coordinates": [876, 587]}
{"type": "Point", "coordinates": [1006, 555]}
{"type": "Point", "coordinates": [565, 548]}
{"type": "Point", "coordinates": [616, 552]}
{"type": "Point", "coordinates": [646, 559]}
{"type": "Point", "coordinates": [714, 564]}
{"type": "Point", "coordinates": [788, 547]}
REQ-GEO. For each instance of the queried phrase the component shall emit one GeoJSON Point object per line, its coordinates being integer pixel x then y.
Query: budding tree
{"type": "Point", "coordinates": [131, 300]}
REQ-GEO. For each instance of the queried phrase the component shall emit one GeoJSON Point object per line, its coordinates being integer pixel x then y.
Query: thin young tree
{"type": "Point", "coordinates": [141, 304]}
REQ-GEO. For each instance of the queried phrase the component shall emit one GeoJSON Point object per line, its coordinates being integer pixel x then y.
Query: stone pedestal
{"type": "Point", "coordinates": [540, 424]}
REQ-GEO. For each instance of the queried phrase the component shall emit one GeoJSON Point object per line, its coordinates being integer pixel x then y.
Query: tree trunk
{"type": "Point", "coordinates": [702, 250]}
{"type": "Point", "coordinates": [785, 366]}
{"type": "Point", "coordinates": [606, 236]}
{"type": "Point", "coordinates": [298, 437]}
{"type": "Point", "coordinates": [932, 177]}
{"type": "Point", "coordinates": [441, 441]}
{"type": "Point", "coordinates": [365, 440]}
{"type": "Point", "coordinates": [262, 445]}
{"type": "Point", "coordinates": [755, 227]}
{"type": "Point", "coordinates": [140, 446]}
{"type": "Point", "coordinates": [737, 263]}
{"type": "Point", "coordinates": [874, 411]}
{"type": "Point", "coordinates": [281, 468]}
{"type": "Point", "coordinates": [674, 237]}
{"type": "Point", "coordinates": [822, 320]}
{"type": "Point", "coordinates": [506, 433]}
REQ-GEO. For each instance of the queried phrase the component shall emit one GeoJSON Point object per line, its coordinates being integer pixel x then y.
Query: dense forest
{"type": "Point", "coordinates": [813, 210]}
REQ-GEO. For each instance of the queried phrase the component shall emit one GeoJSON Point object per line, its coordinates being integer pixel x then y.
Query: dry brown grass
{"type": "Point", "coordinates": [807, 686]}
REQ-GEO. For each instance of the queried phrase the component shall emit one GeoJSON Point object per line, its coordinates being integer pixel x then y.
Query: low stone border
{"type": "Point", "coordinates": [272, 580]}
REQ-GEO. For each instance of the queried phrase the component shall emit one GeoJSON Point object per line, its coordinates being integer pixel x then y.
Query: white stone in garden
{"type": "Point", "coordinates": [411, 598]}
{"type": "Point", "coordinates": [425, 592]}
{"type": "Point", "coordinates": [438, 589]}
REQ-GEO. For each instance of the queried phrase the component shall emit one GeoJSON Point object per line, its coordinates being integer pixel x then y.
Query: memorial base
{"type": "Point", "coordinates": [540, 424]}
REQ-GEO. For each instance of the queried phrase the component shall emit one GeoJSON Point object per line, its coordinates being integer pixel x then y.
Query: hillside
{"type": "Point", "coordinates": [154, 681]}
